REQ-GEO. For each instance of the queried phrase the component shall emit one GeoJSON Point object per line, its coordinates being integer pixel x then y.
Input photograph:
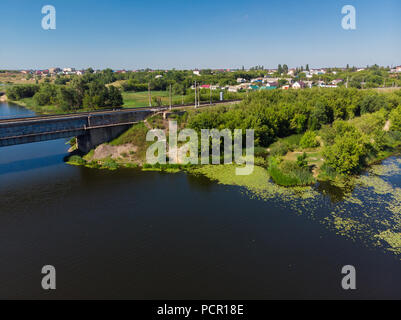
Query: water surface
{"type": "Point", "coordinates": [142, 235]}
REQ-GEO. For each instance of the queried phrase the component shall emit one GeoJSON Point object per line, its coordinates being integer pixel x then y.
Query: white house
{"type": "Point", "coordinates": [298, 85]}
{"type": "Point", "coordinates": [337, 81]}
{"type": "Point", "coordinates": [233, 89]}
{"type": "Point", "coordinates": [196, 72]}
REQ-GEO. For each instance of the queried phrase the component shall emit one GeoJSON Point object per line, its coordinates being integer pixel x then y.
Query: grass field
{"type": "Point", "coordinates": [141, 99]}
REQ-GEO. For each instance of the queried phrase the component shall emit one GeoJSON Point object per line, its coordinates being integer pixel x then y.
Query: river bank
{"type": "Point", "coordinates": [378, 192]}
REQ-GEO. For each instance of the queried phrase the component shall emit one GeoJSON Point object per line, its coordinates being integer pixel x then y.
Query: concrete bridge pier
{"type": "Point", "coordinates": [95, 137]}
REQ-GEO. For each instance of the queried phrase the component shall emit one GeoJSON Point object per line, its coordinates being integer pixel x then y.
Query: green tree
{"type": "Point", "coordinates": [395, 118]}
{"type": "Point", "coordinates": [115, 97]}
{"type": "Point", "coordinates": [309, 140]}
{"type": "Point", "coordinates": [347, 154]}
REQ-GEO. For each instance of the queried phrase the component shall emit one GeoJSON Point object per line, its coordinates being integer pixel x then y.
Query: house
{"type": "Point", "coordinates": [308, 84]}
{"type": "Point", "coordinates": [268, 88]}
{"type": "Point", "coordinates": [298, 85]}
{"type": "Point", "coordinates": [241, 80]}
{"type": "Point", "coordinates": [398, 69]}
{"type": "Point", "coordinates": [54, 70]}
{"type": "Point", "coordinates": [272, 84]}
{"type": "Point", "coordinates": [232, 89]}
{"type": "Point", "coordinates": [159, 76]}
{"type": "Point", "coordinates": [259, 80]}
{"type": "Point", "coordinates": [286, 87]}
{"type": "Point", "coordinates": [196, 72]}
{"type": "Point", "coordinates": [205, 86]}
{"type": "Point", "coordinates": [337, 81]}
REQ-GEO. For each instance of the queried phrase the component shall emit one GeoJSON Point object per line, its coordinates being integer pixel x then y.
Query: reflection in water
{"type": "Point", "coordinates": [334, 193]}
{"type": "Point", "coordinates": [29, 164]}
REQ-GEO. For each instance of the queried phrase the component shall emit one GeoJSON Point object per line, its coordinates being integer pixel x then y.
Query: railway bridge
{"type": "Point", "coordinates": [91, 129]}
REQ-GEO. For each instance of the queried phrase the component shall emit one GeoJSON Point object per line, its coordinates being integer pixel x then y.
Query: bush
{"type": "Point", "coordinates": [110, 164]}
{"type": "Point", "coordinates": [77, 160]}
{"type": "Point", "coordinates": [289, 173]}
{"type": "Point", "coordinates": [279, 149]}
{"type": "Point", "coordinates": [347, 153]}
{"type": "Point", "coordinates": [395, 118]}
{"type": "Point", "coordinates": [260, 152]}
{"type": "Point", "coordinates": [301, 160]}
{"type": "Point", "coordinates": [21, 92]}
{"type": "Point", "coordinates": [309, 140]}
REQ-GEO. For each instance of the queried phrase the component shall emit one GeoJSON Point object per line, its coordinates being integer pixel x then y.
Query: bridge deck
{"type": "Point", "coordinates": [49, 127]}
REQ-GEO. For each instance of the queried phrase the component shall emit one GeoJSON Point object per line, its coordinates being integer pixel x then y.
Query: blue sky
{"type": "Point", "coordinates": [188, 34]}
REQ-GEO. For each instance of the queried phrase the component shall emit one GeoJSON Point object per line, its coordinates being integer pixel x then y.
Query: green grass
{"type": "Point", "coordinates": [289, 174]}
{"type": "Point", "coordinates": [76, 160]}
{"type": "Point", "coordinates": [293, 141]}
{"type": "Point", "coordinates": [30, 104]}
{"type": "Point", "coordinates": [141, 99]}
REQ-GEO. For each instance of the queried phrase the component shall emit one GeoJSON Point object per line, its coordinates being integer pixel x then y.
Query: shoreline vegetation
{"type": "Point", "coordinates": [302, 137]}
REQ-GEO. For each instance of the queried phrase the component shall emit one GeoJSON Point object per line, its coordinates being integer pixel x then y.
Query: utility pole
{"type": "Point", "coordinates": [199, 96]}
{"type": "Point", "coordinates": [196, 105]}
{"type": "Point", "coordinates": [211, 102]}
{"type": "Point", "coordinates": [171, 102]}
{"type": "Point", "coordinates": [150, 95]}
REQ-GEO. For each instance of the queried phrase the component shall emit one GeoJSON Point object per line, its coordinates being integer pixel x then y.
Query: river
{"type": "Point", "coordinates": [143, 235]}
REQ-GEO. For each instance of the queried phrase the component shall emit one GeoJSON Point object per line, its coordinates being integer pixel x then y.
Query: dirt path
{"type": "Point", "coordinates": [387, 126]}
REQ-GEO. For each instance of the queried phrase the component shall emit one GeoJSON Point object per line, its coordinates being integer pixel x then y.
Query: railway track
{"type": "Point", "coordinates": [108, 111]}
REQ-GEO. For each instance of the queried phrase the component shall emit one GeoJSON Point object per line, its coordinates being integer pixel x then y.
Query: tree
{"type": "Point", "coordinates": [320, 115]}
{"type": "Point", "coordinates": [372, 103]}
{"type": "Point", "coordinates": [347, 153]}
{"type": "Point", "coordinates": [115, 97]}
{"type": "Point", "coordinates": [395, 118]}
{"type": "Point", "coordinates": [309, 140]}
{"type": "Point", "coordinates": [67, 98]}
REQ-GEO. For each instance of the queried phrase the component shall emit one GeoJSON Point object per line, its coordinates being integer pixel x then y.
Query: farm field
{"type": "Point", "coordinates": [141, 99]}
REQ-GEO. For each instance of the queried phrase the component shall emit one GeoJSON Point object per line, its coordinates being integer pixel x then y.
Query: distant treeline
{"type": "Point", "coordinates": [88, 92]}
